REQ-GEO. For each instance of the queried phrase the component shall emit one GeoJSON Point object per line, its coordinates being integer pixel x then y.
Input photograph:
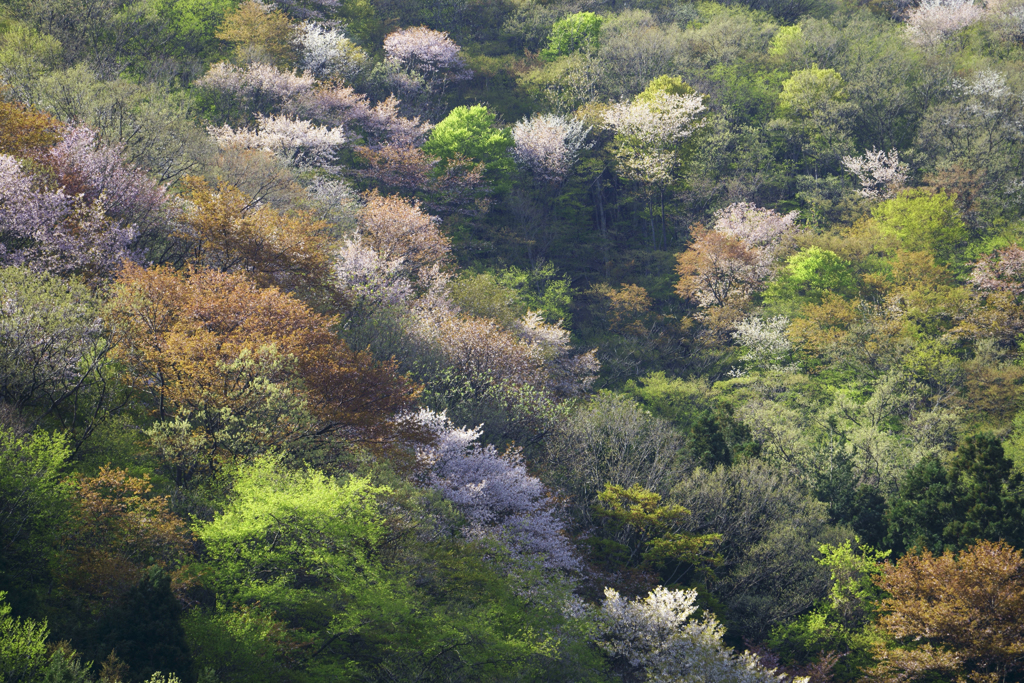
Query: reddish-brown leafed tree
{"type": "Point", "coordinates": [180, 334]}
{"type": "Point", "coordinates": [960, 615]}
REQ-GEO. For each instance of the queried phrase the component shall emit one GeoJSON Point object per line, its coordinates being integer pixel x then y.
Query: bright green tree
{"type": "Point", "coordinates": [578, 32]}
{"type": "Point", "coordinates": [809, 275]}
{"type": "Point", "coordinates": [924, 221]}
{"type": "Point", "coordinates": [470, 132]}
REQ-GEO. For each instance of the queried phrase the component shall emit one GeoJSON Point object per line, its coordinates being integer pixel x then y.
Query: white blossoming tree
{"type": "Point", "coordinates": [660, 639]}
{"type": "Point", "coordinates": [548, 145]}
{"type": "Point", "coordinates": [881, 174]}
{"type": "Point", "coordinates": [327, 52]}
{"type": "Point", "coordinates": [934, 20]}
{"type": "Point", "coordinates": [301, 143]}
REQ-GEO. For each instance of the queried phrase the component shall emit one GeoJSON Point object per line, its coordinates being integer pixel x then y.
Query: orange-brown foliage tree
{"type": "Point", "coordinates": [181, 333]}
{"type": "Point", "coordinates": [25, 132]}
{"type": "Point", "coordinates": [226, 232]}
{"type": "Point", "coordinates": [962, 616]}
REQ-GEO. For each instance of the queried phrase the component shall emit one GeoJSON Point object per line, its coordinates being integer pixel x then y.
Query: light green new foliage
{"type": "Point", "coordinates": [470, 132]}
{"type": "Point", "coordinates": [806, 90]}
{"type": "Point", "coordinates": [784, 39]}
{"type": "Point", "coordinates": [283, 529]}
{"type": "Point", "coordinates": [22, 646]}
{"type": "Point", "coordinates": [924, 222]}
{"type": "Point", "coordinates": [810, 274]}
{"type": "Point", "coordinates": [669, 85]}
{"type": "Point", "coordinates": [578, 32]}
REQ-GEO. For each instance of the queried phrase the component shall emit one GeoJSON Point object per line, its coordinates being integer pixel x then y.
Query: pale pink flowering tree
{"type": "Point", "coordinates": [1002, 271]}
{"type": "Point", "coordinates": [301, 143]}
{"type": "Point", "coordinates": [548, 145]}
{"type": "Point", "coordinates": [661, 638]}
{"type": "Point", "coordinates": [423, 62]}
{"type": "Point", "coordinates": [423, 50]}
{"type": "Point", "coordinates": [88, 168]}
{"type": "Point", "coordinates": [933, 20]}
{"type": "Point", "coordinates": [368, 279]}
{"type": "Point", "coordinates": [341, 106]}
{"type": "Point", "coordinates": [881, 174]}
{"type": "Point", "coordinates": [54, 231]}
{"type": "Point", "coordinates": [758, 228]}
{"type": "Point", "coordinates": [262, 87]}
{"type": "Point", "coordinates": [500, 499]}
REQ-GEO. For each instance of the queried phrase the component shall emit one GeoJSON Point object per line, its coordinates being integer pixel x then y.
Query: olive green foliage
{"type": "Point", "coordinates": [580, 32]}
{"type": "Point", "coordinates": [639, 530]}
{"type": "Point", "coordinates": [765, 521]}
{"type": "Point", "coordinates": [508, 294]}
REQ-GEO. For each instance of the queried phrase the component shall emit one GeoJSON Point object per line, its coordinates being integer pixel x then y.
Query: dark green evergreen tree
{"type": "Point", "coordinates": [145, 630]}
{"type": "Point", "coordinates": [977, 497]}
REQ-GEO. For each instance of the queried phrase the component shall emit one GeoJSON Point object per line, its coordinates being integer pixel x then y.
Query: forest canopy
{"type": "Point", "coordinates": [511, 340]}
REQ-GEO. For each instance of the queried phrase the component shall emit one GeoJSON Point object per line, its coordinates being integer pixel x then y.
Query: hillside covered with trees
{"type": "Point", "coordinates": [511, 340]}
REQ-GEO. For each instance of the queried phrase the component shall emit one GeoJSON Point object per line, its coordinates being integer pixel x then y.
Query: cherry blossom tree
{"type": "Point", "coordinates": [659, 637]}
{"type": "Point", "coordinates": [327, 52]}
{"type": "Point", "coordinates": [261, 87]}
{"type": "Point", "coordinates": [650, 129]}
{"type": "Point", "coordinates": [764, 343]}
{"type": "Point", "coordinates": [421, 63]}
{"type": "Point", "coordinates": [735, 259]}
{"type": "Point", "coordinates": [756, 227]}
{"type": "Point", "coordinates": [369, 280]}
{"type": "Point", "coordinates": [398, 229]}
{"type": "Point", "coordinates": [340, 105]}
{"type": "Point", "coordinates": [86, 167]}
{"type": "Point", "coordinates": [500, 499]}
{"type": "Point", "coordinates": [1002, 271]}
{"type": "Point", "coordinates": [423, 50]}
{"type": "Point", "coordinates": [301, 143]}
{"type": "Point", "coordinates": [881, 175]}
{"type": "Point", "coordinates": [933, 20]}
{"type": "Point", "coordinates": [56, 232]}
{"type": "Point", "coordinates": [548, 145]}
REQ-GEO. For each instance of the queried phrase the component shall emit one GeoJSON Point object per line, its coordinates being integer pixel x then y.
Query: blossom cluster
{"type": "Point", "coordinates": [500, 499]}
{"type": "Point", "coordinates": [65, 230]}
{"type": "Point", "coordinates": [1002, 271]}
{"type": "Point", "coordinates": [658, 636]}
{"type": "Point", "coordinates": [423, 50]}
{"type": "Point", "coordinates": [548, 145]}
{"type": "Point", "coordinates": [933, 20]}
{"type": "Point", "coordinates": [326, 51]}
{"type": "Point", "coordinates": [650, 129]}
{"type": "Point", "coordinates": [300, 142]}
{"type": "Point", "coordinates": [881, 174]}
{"type": "Point", "coordinates": [256, 81]}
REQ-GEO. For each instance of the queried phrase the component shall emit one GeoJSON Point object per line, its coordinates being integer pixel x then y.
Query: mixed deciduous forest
{"type": "Point", "coordinates": [511, 340]}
